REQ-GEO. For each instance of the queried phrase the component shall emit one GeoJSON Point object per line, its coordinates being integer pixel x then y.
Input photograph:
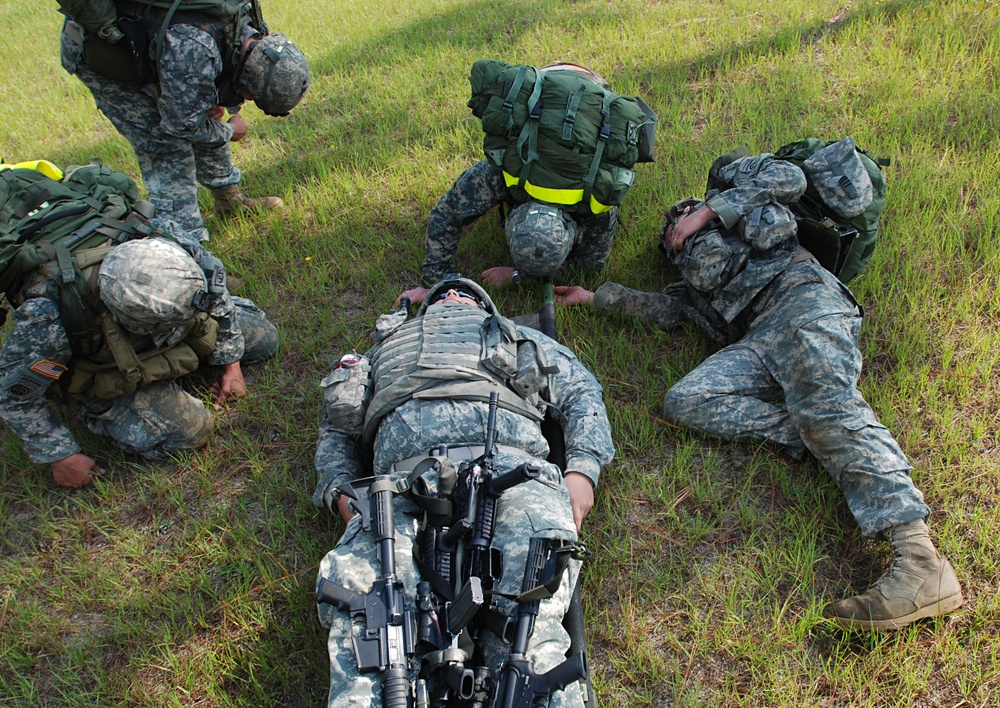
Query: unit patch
{"type": "Point", "coordinates": [25, 387]}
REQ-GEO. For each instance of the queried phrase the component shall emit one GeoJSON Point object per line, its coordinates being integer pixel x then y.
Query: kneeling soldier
{"type": "Point", "coordinates": [155, 317]}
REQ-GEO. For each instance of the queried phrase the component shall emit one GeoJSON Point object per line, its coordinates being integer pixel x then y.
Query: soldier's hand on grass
{"type": "Point", "coordinates": [570, 295]}
{"type": "Point", "coordinates": [231, 386]}
{"type": "Point", "coordinates": [74, 471]}
{"type": "Point", "coordinates": [240, 127]}
{"type": "Point", "coordinates": [497, 276]}
{"type": "Point", "coordinates": [416, 296]}
{"type": "Point", "coordinates": [216, 113]}
{"type": "Point", "coordinates": [581, 496]}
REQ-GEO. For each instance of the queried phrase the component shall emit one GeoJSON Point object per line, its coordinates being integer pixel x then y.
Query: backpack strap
{"type": "Point", "coordinates": [880, 161]}
{"type": "Point", "coordinates": [571, 107]}
{"type": "Point", "coordinates": [121, 349]}
{"type": "Point", "coordinates": [162, 34]}
{"type": "Point", "coordinates": [602, 142]}
{"type": "Point", "coordinates": [77, 317]}
{"type": "Point", "coordinates": [507, 113]}
{"type": "Point", "coordinates": [840, 179]}
{"type": "Point", "coordinates": [529, 133]}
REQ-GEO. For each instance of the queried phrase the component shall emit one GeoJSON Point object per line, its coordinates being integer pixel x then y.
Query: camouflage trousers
{"type": "Point", "coordinates": [172, 167]}
{"type": "Point", "coordinates": [478, 190]}
{"type": "Point", "coordinates": [532, 509]}
{"type": "Point", "coordinates": [793, 380]}
{"type": "Point", "coordinates": [162, 417]}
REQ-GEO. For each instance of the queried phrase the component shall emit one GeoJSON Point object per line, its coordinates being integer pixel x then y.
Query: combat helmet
{"type": "Point", "coordinates": [149, 286]}
{"type": "Point", "coordinates": [540, 238]}
{"type": "Point", "coordinates": [274, 73]}
{"type": "Point", "coordinates": [455, 281]}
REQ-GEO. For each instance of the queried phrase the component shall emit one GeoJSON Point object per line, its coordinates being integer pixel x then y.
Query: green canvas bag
{"type": "Point", "coordinates": [44, 222]}
{"type": "Point", "coordinates": [559, 134]}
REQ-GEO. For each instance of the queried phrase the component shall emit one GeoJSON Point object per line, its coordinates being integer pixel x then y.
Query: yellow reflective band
{"type": "Point", "coordinates": [43, 166]}
{"type": "Point", "coordinates": [568, 197]}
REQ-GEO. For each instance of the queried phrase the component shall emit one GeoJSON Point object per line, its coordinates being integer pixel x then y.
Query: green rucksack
{"type": "Point", "coordinates": [842, 245]}
{"type": "Point", "coordinates": [559, 134]}
{"type": "Point", "coordinates": [45, 223]}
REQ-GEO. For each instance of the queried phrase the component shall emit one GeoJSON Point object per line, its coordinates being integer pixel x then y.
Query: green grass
{"type": "Point", "coordinates": [189, 581]}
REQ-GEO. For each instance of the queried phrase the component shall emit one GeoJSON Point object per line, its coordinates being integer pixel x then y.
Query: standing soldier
{"type": "Point", "coordinates": [165, 74]}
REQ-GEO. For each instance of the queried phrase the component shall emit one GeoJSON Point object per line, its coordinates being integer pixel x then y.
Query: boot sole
{"type": "Point", "coordinates": [939, 608]}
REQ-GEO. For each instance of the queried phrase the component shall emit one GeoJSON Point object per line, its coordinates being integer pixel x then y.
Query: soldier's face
{"type": "Point", "coordinates": [453, 295]}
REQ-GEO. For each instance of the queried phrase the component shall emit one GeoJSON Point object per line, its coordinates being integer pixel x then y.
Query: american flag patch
{"type": "Point", "coordinates": [51, 369]}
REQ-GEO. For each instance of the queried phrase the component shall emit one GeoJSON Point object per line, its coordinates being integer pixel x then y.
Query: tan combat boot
{"type": "Point", "coordinates": [919, 583]}
{"type": "Point", "coordinates": [230, 200]}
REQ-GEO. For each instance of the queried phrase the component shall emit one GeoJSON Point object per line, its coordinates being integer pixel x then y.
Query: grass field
{"type": "Point", "coordinates": [189, 581]}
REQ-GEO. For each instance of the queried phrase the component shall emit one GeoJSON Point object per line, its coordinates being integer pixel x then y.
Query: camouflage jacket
{"type": "Point", "coordinates": [419, 425]}
{"type": "Point", "coordinates": [189, 71]}
{"type": "Point", "coordinates": [37, 352]}
{"type": "Point", "coordinates": [728, 265]}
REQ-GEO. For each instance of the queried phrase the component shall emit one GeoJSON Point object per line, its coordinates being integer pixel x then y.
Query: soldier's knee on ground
{"type": "Point", "coordinates": [675, 404]}
{"type": "Point", "coordinates": [186, 423]}
{"type": "Point", "coordinates": [260, 336]}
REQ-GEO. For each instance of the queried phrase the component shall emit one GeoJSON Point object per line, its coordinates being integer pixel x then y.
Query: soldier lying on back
{"type": "Point", "coordinates": [418, 400]}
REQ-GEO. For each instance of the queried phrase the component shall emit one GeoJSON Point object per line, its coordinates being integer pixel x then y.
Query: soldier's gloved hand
{"type": "Point", "coordinates": [231, 386]}
{"type": "Point", "coordinates": [416, 296]}
{"type": "Point", "coordinates": [74, 471]}
{"type": "Point", "coordinates": [240, 127]}
{"type": "Point", "coordinates": [570, 295]}
{"type": "Point", "coordinates": [581, 496]}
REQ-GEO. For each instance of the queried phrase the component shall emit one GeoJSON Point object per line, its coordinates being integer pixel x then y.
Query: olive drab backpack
{"type": "Point", "coordinates": [559, 134]}
{"type": "Point", "coordinates": [842, 245]}
{"type": "Point", "coordinates": [58, 225]}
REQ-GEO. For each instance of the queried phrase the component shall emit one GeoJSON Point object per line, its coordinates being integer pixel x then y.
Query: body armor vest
{"type": "Point", "coordinates": [441, 356]}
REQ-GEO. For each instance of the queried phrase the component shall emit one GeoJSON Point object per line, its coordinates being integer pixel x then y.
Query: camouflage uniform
{"type": "Point", "coordinates": [790, 371]}
{"type": "Point", "coordinates": [155, 419]}
{"type": "Point", "coordinates": [177, 145]}
{"type": "Point", "coordinates": [475, 192]}
{"type": "Point", "coordinates": [537, 508]}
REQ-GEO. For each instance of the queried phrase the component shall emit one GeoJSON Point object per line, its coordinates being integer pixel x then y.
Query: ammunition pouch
{"type": "Point", "coordinates": [131, 371]}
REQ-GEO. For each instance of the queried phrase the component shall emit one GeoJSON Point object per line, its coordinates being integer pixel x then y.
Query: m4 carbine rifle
{"type": "Point", "coordinates": [387, 643]}
{"type": "Point", "coordinates": [518, 686]}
